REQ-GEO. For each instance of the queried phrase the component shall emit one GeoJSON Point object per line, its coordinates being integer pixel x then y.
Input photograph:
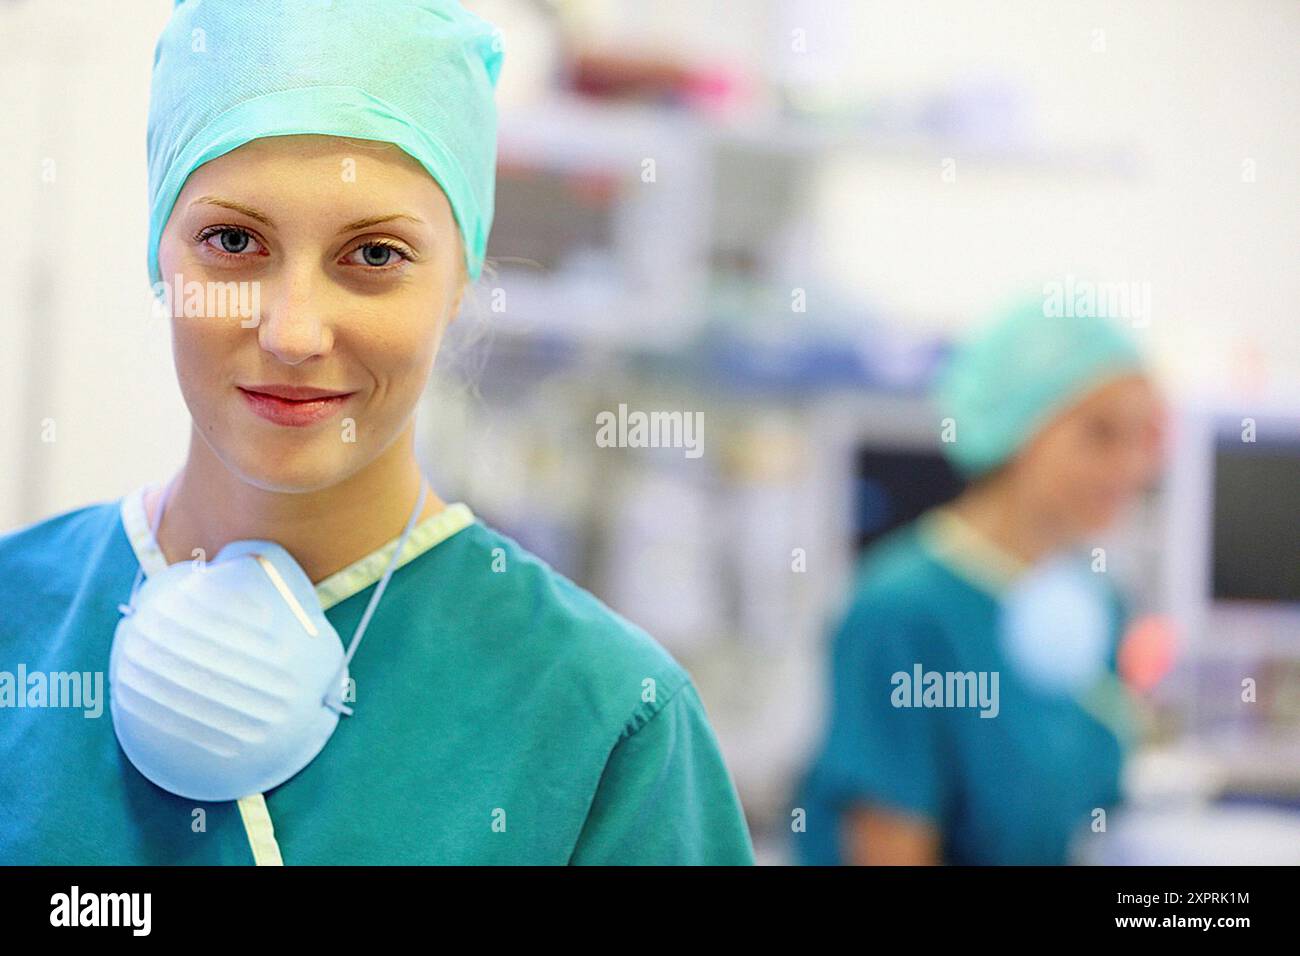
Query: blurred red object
{"type": "Point", "coordinates": [624, 76]}
{"type": "Point", "coordinates": [1147, 652]}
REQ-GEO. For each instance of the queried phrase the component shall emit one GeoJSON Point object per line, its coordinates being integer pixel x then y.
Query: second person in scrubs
{"type": "Point", "coordinates": [1054, 422]}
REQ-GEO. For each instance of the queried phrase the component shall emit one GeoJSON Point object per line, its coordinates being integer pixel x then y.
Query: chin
{"type": "Point", "coordinates": [295, 470]}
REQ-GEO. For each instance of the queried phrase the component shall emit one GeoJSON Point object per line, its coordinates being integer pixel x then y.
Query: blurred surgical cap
{"type": "Point", "coordinates": [420, 74]}
{"type": "Point", "coordinates": [1016, 374]}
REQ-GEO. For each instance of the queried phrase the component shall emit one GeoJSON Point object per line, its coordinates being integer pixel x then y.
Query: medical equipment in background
{"type": "Point", "coordinates": [1232, 584]}
{"type": "Point", "coordinates": [600, 222]}
{"type": "Point", "coordinates": [896, 485]}
{"type": "Point", "coordinates": [623, 223]}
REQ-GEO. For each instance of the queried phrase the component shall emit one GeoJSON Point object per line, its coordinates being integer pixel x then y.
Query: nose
{"type": "Point", "coordinates": [292, 324]}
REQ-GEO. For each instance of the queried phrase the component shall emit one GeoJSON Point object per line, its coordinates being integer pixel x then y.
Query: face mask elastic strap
{"type": "Point", "coordinates": [333, 700]}
{"type": "Point", "coordinates": [129, 607]}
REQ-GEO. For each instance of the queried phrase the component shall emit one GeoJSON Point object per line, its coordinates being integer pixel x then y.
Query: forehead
{"type": "Point", "coordinates": [1131, 394]}
{"type": "Point", "coordinates": [312, 148]}
{"type": "Point", "coordinates": [288, 171]}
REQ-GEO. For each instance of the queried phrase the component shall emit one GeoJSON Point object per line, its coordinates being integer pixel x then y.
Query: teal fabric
{"type": "Point", "coordinates": [501, 717]}
{"type": "Point", "coordinates": [1011, 377]}
{"type": "Point", "coordinates": [1010, 789]}
{"type": "Point", "coordinates": [420, 74]}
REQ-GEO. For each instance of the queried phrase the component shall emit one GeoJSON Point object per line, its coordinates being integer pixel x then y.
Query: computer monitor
{"type": "Point", "coordinates": [1231, 565]}
{"type": "Point", "coordinates": [1255, 527]}
{"type": "Point", "coordinates": [893, 486]}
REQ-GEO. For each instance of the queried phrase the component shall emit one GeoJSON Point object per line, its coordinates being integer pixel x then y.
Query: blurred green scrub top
{"type": "Point", "coordinates": [503, 715]}
{"type": "Point", "coordinates": [1014, 788]}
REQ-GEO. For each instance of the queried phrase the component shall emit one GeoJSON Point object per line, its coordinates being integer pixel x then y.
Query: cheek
{"type": "Point", "coordinates": [1067, 476]}
{"type": "Point", "coordinates": [166, 252]}
{"type": "Point", "coordinates": [1105, 480]}
{"type": "Point", "coordinates": [201, 348]}
{"type": "Point", "coordinates": [1090, 462]}
{"type": "Point", "coordinates": [173, 256]}
{"type": "Point", "coordinates": [397, 355]}
{"type": "Point", "coordinates": [1068, 463]}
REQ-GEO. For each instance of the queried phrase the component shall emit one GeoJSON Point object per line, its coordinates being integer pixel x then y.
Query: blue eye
{"type": "Point", "coordinates": [238, 240]}
{"type": "Point", "coordinates": [381, 255]}
{"type": "Point", "coordinates": [377, 255]}
{"type": "Point", "coordinates": [231, 240]}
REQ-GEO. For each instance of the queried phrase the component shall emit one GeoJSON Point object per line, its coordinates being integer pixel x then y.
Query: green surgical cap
{"type": "Point", "coordinates": [420, 74]}
{"type": "Point", "coordinates": [1013, 376]}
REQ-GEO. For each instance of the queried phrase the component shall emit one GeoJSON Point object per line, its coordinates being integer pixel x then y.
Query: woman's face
{"type": "Point", "coordinates": [1084, 466]}
{"type": "Point", "coordinates": [351, 253]}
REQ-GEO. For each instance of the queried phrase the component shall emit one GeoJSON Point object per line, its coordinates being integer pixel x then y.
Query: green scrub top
{"type": "Point", "coordinates": [1015, 788]}
{"type": "Point", "coordinates": [503, 715]}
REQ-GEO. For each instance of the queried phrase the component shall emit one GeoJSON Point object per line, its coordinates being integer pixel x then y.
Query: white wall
{"type": "Point", "coordinates": [78, 344]}
{"type": "Point", "coordinates": [1190, 88]}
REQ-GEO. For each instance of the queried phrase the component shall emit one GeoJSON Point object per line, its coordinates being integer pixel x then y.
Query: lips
{"type": "Point", "coordinates": [294, 406]}
{"type": "Point", "coordinates": [294, 393]}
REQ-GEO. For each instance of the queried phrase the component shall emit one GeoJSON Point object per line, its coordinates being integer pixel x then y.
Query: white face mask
{"type": "Point", "coordinates": [225, 680]}
{"type": "Point", "coordinates": [1055, 626]}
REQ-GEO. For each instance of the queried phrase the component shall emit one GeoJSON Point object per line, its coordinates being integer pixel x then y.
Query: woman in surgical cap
{"type": "Point", "coordinates": [975, 714]}
{"type": "Point", "coordinates": [321, 183]}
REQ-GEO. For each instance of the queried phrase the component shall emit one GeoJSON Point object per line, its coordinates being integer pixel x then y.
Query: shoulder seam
{"type": "Point", "coordinates": [628, 733]}
{"type": "Point", "coordinates": [632, 727]}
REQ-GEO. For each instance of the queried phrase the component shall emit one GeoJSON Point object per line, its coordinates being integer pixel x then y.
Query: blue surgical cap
{"type": "Point", "coordinates": [1013, 376]}
{"type": "Point", "coordinates": [420, 74]}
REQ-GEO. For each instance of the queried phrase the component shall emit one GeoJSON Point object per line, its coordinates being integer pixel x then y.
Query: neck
{"type": "Point", "coordinates": [325, 530]}
{"type": "Point", "coordinates": [1003, 517]}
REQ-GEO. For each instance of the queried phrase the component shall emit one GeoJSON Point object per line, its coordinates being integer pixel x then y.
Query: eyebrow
{"type": "Point", "coordinates": [252, 213]}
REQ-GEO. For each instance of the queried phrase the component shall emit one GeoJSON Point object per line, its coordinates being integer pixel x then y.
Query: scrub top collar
{"type": "Point", "coordinates": [339, 586]}
{"type": "Point", "coordinates": [956, 544]}
{"type": "Point", "coordinates": [960, 548]}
